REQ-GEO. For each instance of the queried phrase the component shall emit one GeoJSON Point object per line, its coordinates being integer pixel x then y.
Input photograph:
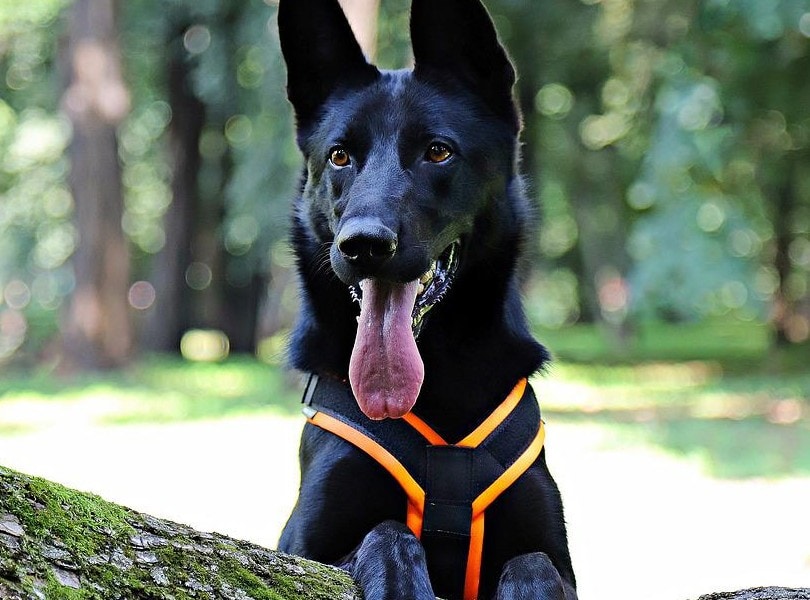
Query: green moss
{"type": "Point", "coordinates": [83, 522]}
{"type": "Point", "coordinates": [325, 582]}
{"type": "Point", "coordinates": [56, 591]}
{"type": "Point", "coordinates": [239, 577]}
{"type": "Point", "coordinates": [180, 566]}
{"type": "Point", "coordinates": [86, 526]}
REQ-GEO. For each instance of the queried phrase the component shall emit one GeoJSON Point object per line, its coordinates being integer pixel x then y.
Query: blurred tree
{"type": "Point", "coordinates": [37, 235]}
{"type": "Point", "coordinates": [169, 318]}
{"type": "Point", "coordinates": [667, 143]}
{"type": "Point", "coordinates": [762, 60]}
{"type": "Point", "coordinates": [233, 161]}
{"type": "Point", "coordinates": [724, 180]}
{"type": "Point", "coordinates": [584, 133]}
{"type": "Point", "coordinates": [97, 332]}
{"type": "Point", "coordinates": [647, 118]}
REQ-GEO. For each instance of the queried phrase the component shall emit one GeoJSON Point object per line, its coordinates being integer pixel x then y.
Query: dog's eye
{"type": "Point", "coordinates": [339, 157]}
{"type": "Point", "coordinates": [438, 152]}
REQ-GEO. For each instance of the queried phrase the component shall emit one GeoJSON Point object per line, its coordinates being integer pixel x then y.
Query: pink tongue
{"type": "Point", "coordinates": [385, 370]}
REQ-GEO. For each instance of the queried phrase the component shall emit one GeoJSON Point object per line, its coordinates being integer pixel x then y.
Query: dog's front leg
{"type": "Point", "coordinates": [533, 577]}
{"type": "Point", "coordinates": [390, 565]}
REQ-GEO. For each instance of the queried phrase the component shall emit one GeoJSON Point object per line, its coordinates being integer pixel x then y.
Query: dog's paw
{"type": "Point", "coordinates": [390, 565]}
{"type": "Point", "coordinates": [532, 577]}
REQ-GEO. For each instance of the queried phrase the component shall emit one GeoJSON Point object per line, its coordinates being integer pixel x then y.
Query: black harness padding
{"type": "Point", "coordinates": [452, 477]}
{"type": "Point", "coordinates": [335, 398]}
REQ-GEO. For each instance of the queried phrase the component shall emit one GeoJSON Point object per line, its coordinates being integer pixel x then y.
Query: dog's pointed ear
{"type": "Point", "coordinates": [457, 38]}
{"type": "Point", "coordinates": [321, 53]}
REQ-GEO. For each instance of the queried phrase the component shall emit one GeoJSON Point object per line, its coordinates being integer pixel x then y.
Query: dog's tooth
{"type": "Point", "coordinates": [421, 288]}
{"type": "Point", "coordinates": [426, 277]}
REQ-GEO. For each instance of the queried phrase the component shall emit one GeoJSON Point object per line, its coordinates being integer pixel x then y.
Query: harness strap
{"type": "Point", "coordinates": [414, 492]}
{"type": "Point", "coordinates": [448, 486]}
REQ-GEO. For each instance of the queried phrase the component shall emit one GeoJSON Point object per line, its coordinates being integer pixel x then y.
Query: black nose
{"type": "Point", "coordinates": [366, 243]}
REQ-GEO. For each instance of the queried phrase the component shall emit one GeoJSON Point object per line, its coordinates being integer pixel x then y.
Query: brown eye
{"type": "Point", "coordinates": [339, 157]}
{"type": "Point", "coordinates": [438, 152]}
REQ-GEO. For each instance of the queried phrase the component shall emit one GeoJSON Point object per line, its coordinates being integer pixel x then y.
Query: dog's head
{"type": "Point", "coordinates": [407, 172]}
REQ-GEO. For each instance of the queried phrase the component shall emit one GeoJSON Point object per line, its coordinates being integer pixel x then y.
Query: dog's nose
{"type": "Point", "coordinates": [366, 242]}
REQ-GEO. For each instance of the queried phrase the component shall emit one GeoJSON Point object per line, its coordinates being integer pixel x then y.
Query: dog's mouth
{"type": "Point", "coordinates": [385, 369]}
{"type": "Point", "coordinates": [433, 285]}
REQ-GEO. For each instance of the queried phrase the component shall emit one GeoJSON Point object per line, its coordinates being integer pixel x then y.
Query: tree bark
{"type": "Point", "coordinates": [762, 593]}
{"type": "Point", "coordinates": [783, 220]}
{"type": "Point", "coordinates": [57, 543]}
{"type": "Point", "coordinates": [362, 16]}
{"type": "Point", "coordinates": [97, 333]}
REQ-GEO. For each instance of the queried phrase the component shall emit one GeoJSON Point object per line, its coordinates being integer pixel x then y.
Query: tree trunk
{"type": "Point", "coordinates": [233, 299]}
{"type": "Point", "coordinates": [362, 16]}
{"type": "Point", "coordinates": [598, 199]}
{"type": "Point", "coordinates": [57, 543]}
{"type": "Point", "coordinates": [239, 313]}
{"type": "Point", "coordinates": [169, 317]}
{"type": "Point", "coordinates": [761, 593]}
{"type": "Point", "coordinates": [783, 218]}
{"type": "Point", "coordinates": [97, 333]}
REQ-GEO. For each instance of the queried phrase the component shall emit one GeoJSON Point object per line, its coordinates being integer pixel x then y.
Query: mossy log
{"type": "Point", "coordinates": [762, 593]}
{"type": "Point", "coordinates": [60, 544]}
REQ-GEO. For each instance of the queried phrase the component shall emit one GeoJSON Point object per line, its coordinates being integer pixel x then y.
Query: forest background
{"type": "Point", "coordinates": [147, 164]}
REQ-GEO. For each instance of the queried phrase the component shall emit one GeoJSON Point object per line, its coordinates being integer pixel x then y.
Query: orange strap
{"type": "Point", "coordinates": [426, 430]}
{"type": "Point", "coordinates": [415, 493]}
{"type": "Point", "coordinates": [482, 502]}
{"type": "Point", "coordinates": [497, 417]}
{"type": "Point", "coordinates": [481, 432]}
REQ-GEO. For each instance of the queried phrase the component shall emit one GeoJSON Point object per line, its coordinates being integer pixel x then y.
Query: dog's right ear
{"type": "Point", "coordinates": [321, 53]}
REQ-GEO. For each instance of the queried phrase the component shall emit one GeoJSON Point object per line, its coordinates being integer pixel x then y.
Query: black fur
{"type": "Point", "coordinates": [475, 343]}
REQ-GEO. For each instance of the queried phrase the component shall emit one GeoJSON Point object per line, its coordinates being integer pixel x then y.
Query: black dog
{"type": "Point", "coordinates": [412, 206]}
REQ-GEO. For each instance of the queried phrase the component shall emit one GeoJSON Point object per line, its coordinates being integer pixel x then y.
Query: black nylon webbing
{"type": "Point", "coordinates": [335, 398]}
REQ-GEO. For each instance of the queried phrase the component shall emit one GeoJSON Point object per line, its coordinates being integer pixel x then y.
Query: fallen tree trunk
{"type": "Point", "coordinates": [59, 544]}
{"type": "Point", "coordinates": [762, 593]}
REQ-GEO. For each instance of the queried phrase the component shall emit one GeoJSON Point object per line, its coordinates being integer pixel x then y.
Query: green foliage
{"type": "Point", "coordinates": [663, 140]}
{"type": "Point", "coordinates": [735, 344]}
{"type": "Point", "coordinates": [248, 152]}
{"type": "Point", "coordinates": [161, 390]}
{"type": "Point", "coordinates": [706, 391]}
{"type": "Point", "coordinates": [82, 522]}
{"type": "Point", "coordinates": [393, 35]}
{"type": "Point", "coordinates": [36, 233]}
{"type": "Point", "coordinates": [686, 261]}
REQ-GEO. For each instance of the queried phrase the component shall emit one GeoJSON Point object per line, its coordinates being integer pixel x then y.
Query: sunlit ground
{"type": "Point", "coordinates": [678, 478]}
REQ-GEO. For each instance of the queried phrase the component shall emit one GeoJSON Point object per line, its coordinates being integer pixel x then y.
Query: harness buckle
{"type": "Point", "coordinates": [309, 390]}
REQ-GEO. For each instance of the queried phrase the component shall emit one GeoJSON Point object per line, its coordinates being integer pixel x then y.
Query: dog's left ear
{"type": "Point", "coordinates": [457, 38]}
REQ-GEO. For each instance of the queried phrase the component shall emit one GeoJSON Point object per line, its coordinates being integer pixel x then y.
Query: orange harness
{"type": "Point", "coordinates": [448, 486]}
